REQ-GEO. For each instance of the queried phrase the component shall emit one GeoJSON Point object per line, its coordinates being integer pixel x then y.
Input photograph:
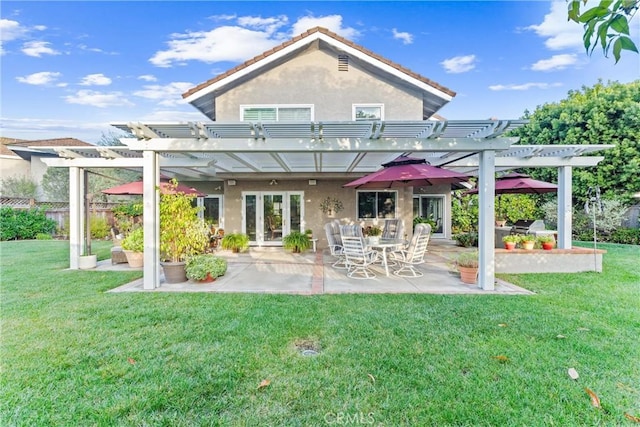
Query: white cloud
{"type": "Point", "coordinates": [525, 86]}
{"type": "Point", "coordinates": [556, 62]}
{"type": "Point", "coordinates": [330, 22]}
{"type": "Point", "coordinates": [40, 79]}
{"type": "Point", "coordinates": [167, 95]}
{"type": "Point", "coordinates": [99, 99]}
{"type": "Point", "coordinates": [252, 36]}
{"type": "Point", "coordinates": [213, 46]}
{"type": "Point", "coordinates": [270, 25]}
{"type": "Point", "coordinates": [11, 30]}
{"type": "Point", "coordinates": [38, 48]}
{"type": "Point", "coordinates": [558, 31]}
{"type": "Point", "coordinates": [148, 78]}
{"type": "Point", "coordinates": [406, 38]}
{"type": "Point", "coordinates": [459, 64]}
{"type": "Point", "coordinates": [98, 79]}
{"type": "Point", "coordinates": [95, 80]}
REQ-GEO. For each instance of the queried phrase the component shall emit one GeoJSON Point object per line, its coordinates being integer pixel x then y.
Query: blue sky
{"type": "Point", "coordinates": [71, 68]}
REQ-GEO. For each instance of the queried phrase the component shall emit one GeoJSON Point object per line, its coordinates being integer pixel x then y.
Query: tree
{"type": "Point", "coordinates": [19, 186]}
{"type": "Point", "coordinates": [606, 24]}
{"type": "Point", "coordinates": [602, 114]}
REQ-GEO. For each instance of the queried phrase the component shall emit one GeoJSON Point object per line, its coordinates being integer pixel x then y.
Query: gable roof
{"type": "Point", "coordinates": [202, 96]}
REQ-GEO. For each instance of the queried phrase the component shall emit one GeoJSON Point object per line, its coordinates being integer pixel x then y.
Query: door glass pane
{"type": "Point", "coordinates": [295, 213]}
{"type": "Point", "coordinates": [212, 210]}
{"type": "Point", "coordinates": [250, 216]}
{"type": "Point", "coordinates": [272, 212]}
{"type": "Point", "coordinates": [432, 209]}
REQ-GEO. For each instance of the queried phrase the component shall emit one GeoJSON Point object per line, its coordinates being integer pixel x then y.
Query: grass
{"type": "Point", "coordinates": [72, 354]}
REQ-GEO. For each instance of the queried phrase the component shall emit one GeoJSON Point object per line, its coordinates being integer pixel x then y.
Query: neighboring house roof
{"type": "Point", "coordinates": [4, 150]}
{"type": "Point", "coordinates": [23, 148]}
{"type": "Point", "coordinates": [202, 96]}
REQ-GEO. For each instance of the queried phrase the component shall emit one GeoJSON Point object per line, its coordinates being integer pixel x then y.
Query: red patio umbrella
{"type": "Point", "coordinates": [135, 188]}
{"type": "Point", "coordinates": [406, 172]}
{"type": "Point", "coordinates": [517, 183]}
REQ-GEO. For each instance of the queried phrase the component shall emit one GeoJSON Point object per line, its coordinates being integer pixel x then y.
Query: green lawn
{"type": "Point", "coordinates": [73, 355]}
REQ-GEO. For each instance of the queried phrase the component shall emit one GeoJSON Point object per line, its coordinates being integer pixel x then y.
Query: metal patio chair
{"type": "Point", "coordinates": [332, 230]}
{"type": "Point", "coordinates": [358, 257]}
{"type": "Point", "coordinates": [414, 255]}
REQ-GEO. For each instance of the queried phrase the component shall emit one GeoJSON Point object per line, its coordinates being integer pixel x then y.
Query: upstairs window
{"type": "Point", "coordinates": [276, 113]}
{"type": "Point", "coordinates": [366, 112]}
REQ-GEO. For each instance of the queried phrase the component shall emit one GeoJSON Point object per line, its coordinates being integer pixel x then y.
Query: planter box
{"type": "Point", "coordinates": [573, 260]}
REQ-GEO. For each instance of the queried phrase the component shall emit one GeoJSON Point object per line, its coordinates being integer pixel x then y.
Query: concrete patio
{"type": "Point", "coordinates": [275, 271]}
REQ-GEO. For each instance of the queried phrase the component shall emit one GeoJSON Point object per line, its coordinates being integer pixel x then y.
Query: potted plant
{"type": "Point", "coordinates": [309, 233]}
{"type": "Point", "coordinates": [296, 241]}
{"type": "Point", "coordinates": [373, 233]}
{"type": "Point", "coordinates": [235, 242]}
{"type": "Point", "coordinates": [205, 267]}
{"type": "Point", "coordinates": [467, 264]}
{"type": "Point", "coordinates": [182, 233]}
{"type": "Point", "coordinates": [133, 247]}
{"type": "Point", "coordinates": [528, 241]}
{"type": "Point", "coordinates": [547, 241]}
{"type": "Point", "coordinates": [510, 241]}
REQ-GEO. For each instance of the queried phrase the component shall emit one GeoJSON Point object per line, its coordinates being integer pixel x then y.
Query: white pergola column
{"type": "Point", "coordinates": [565, 207]}
{"type": "Point", "coordinates": [151, 220]}
{"type": "Point", "coordinates": [76, 216]}
{"type": "Point", "coordinates": [486, 219]}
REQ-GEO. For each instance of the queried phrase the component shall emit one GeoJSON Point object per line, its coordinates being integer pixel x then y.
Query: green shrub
{"type": "Point", "coordinates": [466, 239]}
{"type": "Point", "coordinates": [44, 236]}
{"type": "Point", "coordinates": [99, 227]}
{"type": "Point", "coordinates": [626, 236]}
{"type": "Point", "coordinates": [134, 241]}
{"type": "Point", "coordinates": [17, 224]}
{"type": "Point", "coordinates": [197, 267]}
{"type": "Point", "coordinates": [236, 242]}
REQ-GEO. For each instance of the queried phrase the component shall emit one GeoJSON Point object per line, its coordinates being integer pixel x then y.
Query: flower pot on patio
{"type": "Point", "coordinates": [509, 245]}
{"type": "Point", "coordinates": [87, 262]}
{"type": "Point", "coordinates": [174, 272]}
{"type": "Point", "coordinates": [134, 258]}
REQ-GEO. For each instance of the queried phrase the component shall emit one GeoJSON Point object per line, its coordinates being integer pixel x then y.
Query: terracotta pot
{"type": "Point", "coordinates": [501, 222]}
{"type": "Point", "coordinates": [509, 245]}
{"type": "Point", "coordinates": [468, 274]}
{"type": "Point", "coordinates": [207, 279]}
{"type": "Point", "coordinates": [547, 246]}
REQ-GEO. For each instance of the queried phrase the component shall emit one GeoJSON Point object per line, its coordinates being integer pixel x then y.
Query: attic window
{"type": "Point", "coordinates": [343, 62]}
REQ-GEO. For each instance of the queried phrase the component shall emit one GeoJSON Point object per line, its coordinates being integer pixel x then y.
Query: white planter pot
{"type": "Point", "coordinates": [87, 262]}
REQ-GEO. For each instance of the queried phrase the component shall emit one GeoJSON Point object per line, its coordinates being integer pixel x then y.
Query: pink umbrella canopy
{"type": "Point", "coordinates": [135, 188]}
{"type": "Point", "coordinates": [517, 183]}
{"type": "Point", "coordinates": [406, 172]}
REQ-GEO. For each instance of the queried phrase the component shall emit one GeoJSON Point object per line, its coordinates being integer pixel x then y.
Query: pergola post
{"type": "Point", "coordinates": [565, 212]}
{"type": "Point", "coordinates": [76, 216]}
{"type": "Point", "coordinates": [486, 219]}
{"type": "Point", "coordinates": [151, 220]}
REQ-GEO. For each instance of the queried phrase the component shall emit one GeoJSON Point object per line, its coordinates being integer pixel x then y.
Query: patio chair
{"type": "Point", "coordinates": [392, 229]}
{"type": "Point", "coordinates": [117, 254]}
{"type": "Point", "coordinates": [358, 258]}
{"type": "Point", "coordinates": [353, 230]}
{"type": "Point", "coordinates": [335, 243]}
{"type": "Point", "coordinates": [414, 254]}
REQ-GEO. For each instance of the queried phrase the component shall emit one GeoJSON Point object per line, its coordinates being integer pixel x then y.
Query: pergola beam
{"type": "Point", "coordinates": [126, 162]}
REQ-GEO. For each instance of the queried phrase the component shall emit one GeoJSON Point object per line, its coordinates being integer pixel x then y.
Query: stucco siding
{"type": "Point", "coordinates": [313, 78]}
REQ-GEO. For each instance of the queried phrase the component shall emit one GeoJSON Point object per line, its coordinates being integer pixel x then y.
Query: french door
{"type": "Point", "coordinates": [270, 215]}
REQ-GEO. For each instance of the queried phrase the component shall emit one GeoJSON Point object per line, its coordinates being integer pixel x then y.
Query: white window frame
{"type": "Point", "coordinates": [277, 108]}
{"type": "Point", "coordinates": [445, 211]}
{"type": "Point", "coordinates": [200, 204]}
{"type": "Point", "coordinates": [354, 108]}
{"type": "Point", "coordinates": [371, 190]}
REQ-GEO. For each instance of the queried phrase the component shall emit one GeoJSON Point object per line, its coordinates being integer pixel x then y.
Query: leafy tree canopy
{"type": "Point", "coordinates": [606, 24]}
{"type": "Point", "coordinates": [602, 114]}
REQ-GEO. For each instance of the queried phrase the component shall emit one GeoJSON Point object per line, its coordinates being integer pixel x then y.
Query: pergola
{"type": "Point", "coordinates": [202, 151]}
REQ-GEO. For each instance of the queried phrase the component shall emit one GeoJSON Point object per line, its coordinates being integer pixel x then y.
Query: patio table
{"type": "Point", "coordinates": [382, 245]}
